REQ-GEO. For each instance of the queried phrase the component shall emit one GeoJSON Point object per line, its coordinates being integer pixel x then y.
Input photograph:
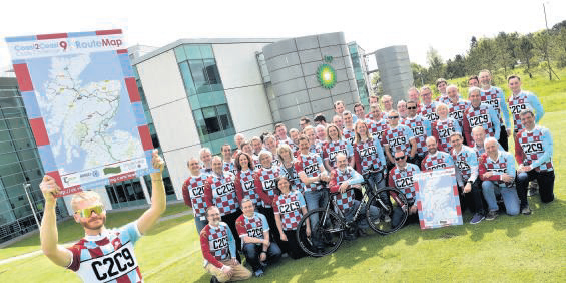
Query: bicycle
{"type": "Point", "coordinates": [333, 225]}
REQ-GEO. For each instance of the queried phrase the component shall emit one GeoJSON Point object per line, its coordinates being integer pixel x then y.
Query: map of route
{"type": "Point", "coordinates": [83, 117]}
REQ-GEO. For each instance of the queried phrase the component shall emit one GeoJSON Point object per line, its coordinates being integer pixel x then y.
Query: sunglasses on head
{"type": "Point", "coordinates": [87, 212]}
{"type": "Point", "coordinates": [399, 158]}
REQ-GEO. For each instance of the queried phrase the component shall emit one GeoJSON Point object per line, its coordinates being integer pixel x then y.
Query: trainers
{"type": "Point", "coordinates": [491, 215]}
{"type": "Point", "coordinates": [258, 273]}
{"type": "Point", "coordinates": [477, 218]}
{"type": "Point", "coordinates": [526, 210]}
{"type": "Point", "coordinates": [387, 218]}
{"type": "Point", "coordinates": [213, 279]}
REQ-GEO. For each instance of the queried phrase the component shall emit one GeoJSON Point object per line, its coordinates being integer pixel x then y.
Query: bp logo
{"type": "Point", "coordinates": [326, 73]}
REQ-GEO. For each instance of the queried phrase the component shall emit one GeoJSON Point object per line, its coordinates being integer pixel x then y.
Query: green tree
{"type": "Point", "coordinates": [436, 65]}
{"type": "Point", "coordinates": [525, 52]}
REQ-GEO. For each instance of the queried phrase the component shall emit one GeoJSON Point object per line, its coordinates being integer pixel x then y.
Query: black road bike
{"type": "Point", "coordinates": [333, 226]}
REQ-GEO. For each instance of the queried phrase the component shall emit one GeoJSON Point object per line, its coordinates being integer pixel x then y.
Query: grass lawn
{"type": "Point", "coordinates": [69, 231]}
{"type": "Point", "coordinates": [520, 248]}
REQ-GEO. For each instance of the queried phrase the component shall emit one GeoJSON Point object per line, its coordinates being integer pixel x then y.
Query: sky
{"type": "Point", "coordinates": [447, 26]}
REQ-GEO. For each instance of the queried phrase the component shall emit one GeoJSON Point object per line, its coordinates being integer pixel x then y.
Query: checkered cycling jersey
{"type": "Point", "coordinates": [317, 147]}
{"type": "Point", "coordinates": [429, 111]}
{"type": "Point", "coordinates": [484, 116]}
{"type": "Point", "coordinates": [255, 159]}
{"type": "Point", "coordinates": [108, 257]}
{"type": "Point", "coordinates": [292, 175]}
{"type": "Point", "coordinates": [229, 167]}
{"type": "Point", "coordinates": [288, 207]}
{"type": "Point", "coordinates": [369, 156]}
{"type": "Point", "coordinates": [496, 98]}
{"type": "Point", "coordinates": [442, 131]}
{"type": "Point", "coordinates": [311, 164]}
{"type": "Point", "coordinates": [402, 179]}
{"type": "Point", "coordinates": [398, 139]}
{"type": "Point", "coordinates": [443, 98]}
{"type": "Point", "coordinates": [344, 201]}
{"type": "Point", "coordinates": [288, 141]}
{"type": "Point", "coordinates": [275, 161]}
{"type": "Point", "coordinates": [349, 135]}
{"type": "Point", "coordinates": [264, 180]}
{"type": "Point", "coordinates": [244, 184]}
{"type": "Point", "coordinates": [252, 227]}
{"type": "Point", "coordinates": [521, 101]}
{"type": "Point", "coordinates": [193, 195]}
{"type": "Point", "coordinates": [466, 162]}
{"type": "Point", "coordinates": [421, 130]}
{"type": "Point", "coordinates": [536, 149]}
{"type": "Point", "coordinates": [376, 128]}
{"type": "Point", "coordinates": [333, 148]}
{"type": "Point", "coordinates": [440, 160]}
{"type": "Point", "coordinates": [456, 110]}
{"type": "Point", "coordinates": [217, 244]}
{"type": "Point", "coordinates": [505, 163]}
{"type": "Point", "coordinates": [222, 193]}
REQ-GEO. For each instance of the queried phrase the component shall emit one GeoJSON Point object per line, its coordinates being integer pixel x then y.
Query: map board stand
{"type": "Point", "coordinates": [438, 200]}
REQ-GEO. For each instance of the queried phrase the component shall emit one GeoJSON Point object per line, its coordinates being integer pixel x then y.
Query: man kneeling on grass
{"type": "Point", "coordinates": [218, 249]}
{"type": "Point", "coordinates": [253, 229]}
{"type": "Point", "coordinates": [103, 255]}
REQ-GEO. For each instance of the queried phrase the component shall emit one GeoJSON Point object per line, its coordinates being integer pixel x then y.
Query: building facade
{"type": "Point", "coordinates": [295, 67]}
{"type": "Point", "coordinates": [19, 165]}
{"type": "Point", "coordinates": [195, 93]}
{"type": "Point", "coordinates": [357, 54]}
{"type": "Point", "coordinates": [395, 70]}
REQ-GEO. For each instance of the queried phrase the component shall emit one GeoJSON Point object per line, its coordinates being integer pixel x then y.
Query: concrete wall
{"type": "Point", "coordinates": [171, 113]}
{"type": "Point", "coordinates": [395, 71]}
{"type": "Point", "coordinates": [293, 64]}
{"type": "Point", "coordinates": [170, 109]}
{"type": "Point", "coordinates": [243, 87]}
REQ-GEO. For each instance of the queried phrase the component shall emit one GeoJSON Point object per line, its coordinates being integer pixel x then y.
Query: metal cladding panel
{"type": "Point", "coordinates": [293, 65]}
{"type": "Point", "coordinates": [395, 68]}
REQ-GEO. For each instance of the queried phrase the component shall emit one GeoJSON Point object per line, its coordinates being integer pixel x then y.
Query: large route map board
{"type": "Point", "coordinates": [83, 106]}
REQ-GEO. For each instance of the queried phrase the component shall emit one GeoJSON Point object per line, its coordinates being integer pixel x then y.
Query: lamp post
{"type": "Point", "coordinates": [26, 186]}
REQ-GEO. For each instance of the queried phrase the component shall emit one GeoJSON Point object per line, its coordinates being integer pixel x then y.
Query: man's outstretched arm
{"type": "Point", "coordinates": [48, 234]}
{"type": "Point", "coordinates": [150, 217]}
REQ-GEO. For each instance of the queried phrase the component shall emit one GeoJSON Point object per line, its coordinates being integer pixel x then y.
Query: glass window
{"type": "Point", "coordinates": [224, 116]}
{"type": "Point", "coordinates": [211, 121]}
{"type": "Point", "coordinates": [194, 101]}
{"type": "Point", "coordinates": [187, 79]}
{"type": "Point", "coordinates": [212, 74]}
{"type": "Point", "coordinates": [201, 126]}
{"type": "Point", "coordinates": [211, 98]}
{"type": "Point", "coordinates": [199, 78]}
{"type": "Point", "coordinates": [192, 51]}
{"type": "Point", "coordinates": [180, 54]}
{"type": "Point", "coordinates": [206, 51]}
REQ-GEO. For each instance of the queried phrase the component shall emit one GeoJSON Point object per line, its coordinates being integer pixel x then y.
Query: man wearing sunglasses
{"type": "Point", "coordinates": [421, 128]}
{"type": "Point", "coordinates": [401, 177]}
{"type": "Point", "coordinates": [103, 254]}
{"type": "Point", "coordinates": [398, 138]}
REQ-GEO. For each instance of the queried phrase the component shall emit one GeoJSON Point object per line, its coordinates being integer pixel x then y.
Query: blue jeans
{"type": "Point", "coordinates": [362, 219]}
{"type": "Point", "coordinates": [253, 251]}
{"type": "Point", "coordinates": [509, 195]}
{"type": "Point", "coordinates": [316, 199]}
{"type": "Point", "coordinates": [200, 224]}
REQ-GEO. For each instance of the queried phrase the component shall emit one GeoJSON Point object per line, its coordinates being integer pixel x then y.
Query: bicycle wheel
{"type": "Point", "coordinates": [391, 215]}
{"type": "Point", "coordinates": [326, 237]}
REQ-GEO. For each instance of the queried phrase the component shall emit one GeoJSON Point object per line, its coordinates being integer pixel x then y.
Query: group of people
{"type": "Point", "coordinates": [252, 200]}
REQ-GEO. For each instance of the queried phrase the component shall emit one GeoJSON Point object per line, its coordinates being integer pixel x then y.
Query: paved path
{"type": "Point", "coordinates": [8, 260]}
